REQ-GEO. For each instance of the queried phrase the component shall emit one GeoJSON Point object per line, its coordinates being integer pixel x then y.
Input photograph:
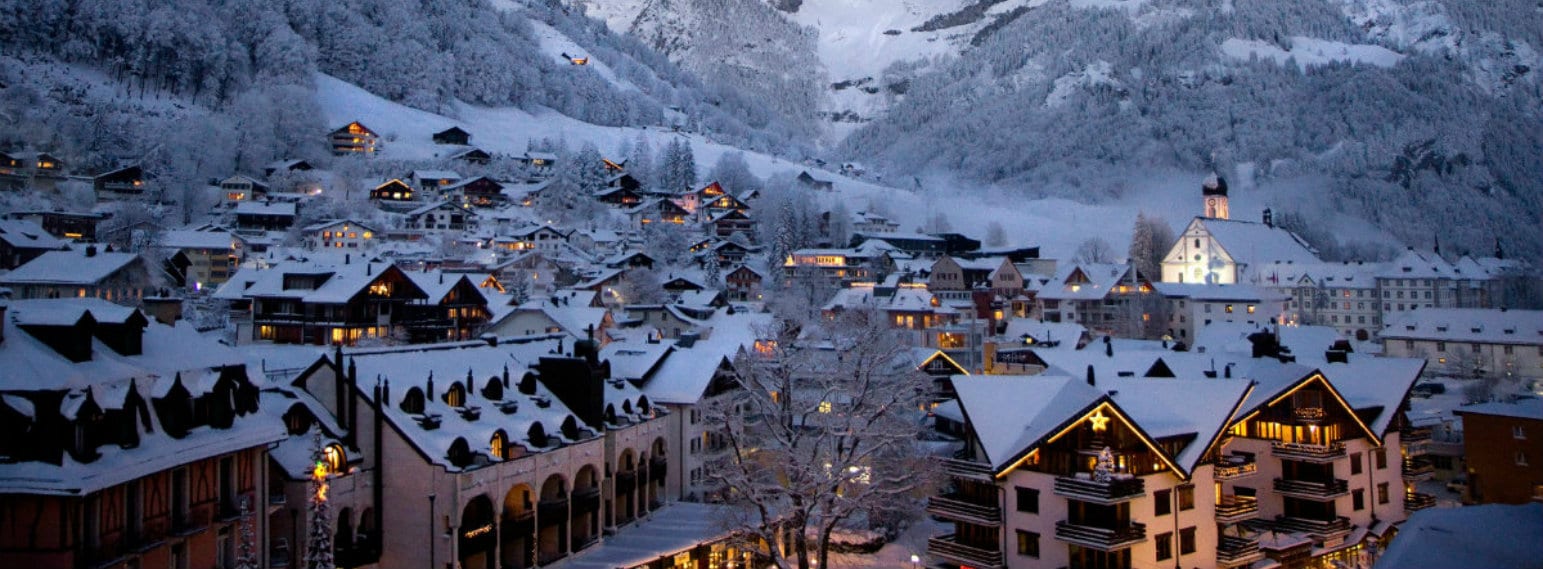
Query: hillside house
{"type": "Point", "coordinates": [393, 190]}
{"type": "Point", "coordinates": [433, 182]}
{"type": "Point", "coordinates": [22, 241]}
{"type": "Point", "coordinates": [286, 166]}
{"type": "Point", "coordinates": [239, 188]}
{"type": "Point", "coordinates": [744, 283]}
{"type": "Point", "coordinates": [814, 182]}
{"type": "Point", "coordinates": [340, 234]}
{"type": "Point", "coordinates": [123, 183]}
{"type": "Point", "coordinates": [265, 216]}
{"type": "Point", "coordinates": [480, 191]}
{"type": "Point", "coordinates": [86, 272]}
{"type": "Point", "coordinates": [353, 139]}
{"type": "Point", "coordinates": [442, 216]}
{"type": "Point", "coordinates": [199, 259]}
{"type": "Point", "coordinates": [476, 156]}
{"type": "Point", "coordinates": [453, 135]}
{"type": "Point", "coordinates": [63, 224]}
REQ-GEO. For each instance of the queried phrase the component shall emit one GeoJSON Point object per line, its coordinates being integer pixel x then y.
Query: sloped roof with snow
{"type": "Point", "coordinates": [1485, 325]}
{"type": "Point", "coordinates": [24, 234]}
{"type": "Point", "coordinates": [265, 208]}
{"type": "Point", "coordinates": [1256, 244]}
{"type": "Point", "coordinates": [70, 267]}
{"type": "Point", "coordinates": [1494, 536]}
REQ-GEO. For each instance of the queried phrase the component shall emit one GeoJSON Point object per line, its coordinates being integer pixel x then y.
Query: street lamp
{"type": "Point", "coordinates": [916, 561]}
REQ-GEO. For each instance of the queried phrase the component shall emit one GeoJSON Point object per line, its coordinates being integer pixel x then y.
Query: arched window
{"type": "Point", "coordinates": [413, 401]}
{"type": "Point", "coordinates": [297, 420]}
{"type": "Point", "coordinates": [537, 435]}
{"type": "Point", "coordinates": [460, 452]}
{"type": "Point", "coordinates": [456, 395]}
{"type": "Point", "coordinates": [335, 458]}
{"type": "Point", "coordinates": [494, 390]}
{"type": "Point", "coordinates": [499, 445]}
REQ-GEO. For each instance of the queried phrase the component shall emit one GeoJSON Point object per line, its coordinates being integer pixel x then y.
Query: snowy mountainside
{"type": "Point", "coordinates": [1058, 225]}
{"type": "Point", "coordinates": [1421, 117]}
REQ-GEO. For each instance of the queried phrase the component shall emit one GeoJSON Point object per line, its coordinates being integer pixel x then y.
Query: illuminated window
{"type": "Point", "coordinates": [380, 289]}
{"type": "Point", "coordinates": [1250, 309]}
{"type": "Point", "coordinates": [456, 395]}
{"type": "Point", "coordinates": [1228, 309]}
{"type": "Point", "coordinates": [824, 406]}
{"type": "Point", "coordinates": [499, 445]}
{"type": "Point", "coordinates": [334, 457]}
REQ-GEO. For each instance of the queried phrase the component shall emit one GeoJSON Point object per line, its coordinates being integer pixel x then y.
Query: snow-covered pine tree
{"type": "Point", "coordinates": [712, 271]}
{"type": "Point", "coordinates": [318, 547]}
{"type": "Point", "coordinates": [519, 287]}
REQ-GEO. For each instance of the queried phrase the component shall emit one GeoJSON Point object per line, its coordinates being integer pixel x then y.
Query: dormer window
{"type": "Point", "coordinates": [334, 459]}
{"type": "Point", "coordinates": [456, 395]}
{"type": "Point", "coordinates": [499, 445]}
{"type": "Point", "coordinates": [413, 401]}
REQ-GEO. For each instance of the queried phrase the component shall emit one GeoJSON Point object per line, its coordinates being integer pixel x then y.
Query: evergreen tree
{"type": "Point", "coordinates": [318, 549]}
{"type": "Point", "coordinates": [712, 272]}
{"type": "Point", "coordinates": [1103, 471]}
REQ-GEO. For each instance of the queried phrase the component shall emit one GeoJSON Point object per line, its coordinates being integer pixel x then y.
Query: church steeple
{"type": "Point", "coordinates": [1214, 191]}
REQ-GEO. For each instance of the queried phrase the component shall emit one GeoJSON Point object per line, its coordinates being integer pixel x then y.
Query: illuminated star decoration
{"type": "Point", "coordinates": [1100, 422]}
{"type": "Point", "coordinates": [320, 473]}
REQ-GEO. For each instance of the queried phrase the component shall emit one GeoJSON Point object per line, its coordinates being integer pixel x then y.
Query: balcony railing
{"type": "Point", "coordinates": [958, 507]}
{"type": "Point", "coordinates": [1414, 435]}
{"type": "Point", "coordinates": [1307, 452]}
{"type": "Point", "coordinates": [1102, 539]}
{"type": "Point", "coordinates": [1112, 492]}
{"type": "Point", "coordinates": [1233, 551]}
{"type": "Point", "coordinates": [1236, 508]}
{"type": "Point", "coordinates": [949, 548]}
{"type": "Point", "coordinates": [1318, 529]}
{"type": "Point", "coordinates": [1313, 490]}
{"type": "Point", "coordinates": [1418, 468]}
{"type": "Point", "coordinates": [1415, 501]}
{"type": "Point", "coordinates": [1235, 466]}
{"type": "Point", "coordinates": [967, 469]}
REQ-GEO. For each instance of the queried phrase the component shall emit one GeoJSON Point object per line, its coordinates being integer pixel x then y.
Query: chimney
{"type": "Point", "coordinates": [430, 387]}
{"type": "Point", "coordinates": [91, 250]}
{"type": "Point", "coordinates": [1269, 218]}
{"type": "Point", "coordinates": [1091, 381]}
{"type": "Point", "coordinates": [347, 257]}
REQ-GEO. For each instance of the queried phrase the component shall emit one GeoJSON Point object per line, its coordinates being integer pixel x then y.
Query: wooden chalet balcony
{"type": "Point", "coordinates": [954, 506]}
{"type": "Point", "coordinates": [1312, 489]}
{"type": "Point", "coordinates": [1235, 466]}
{"type": "Point", "coordinates": [1414, 435]}
{"type": "Point", "coordinates": [1307, 452]}
{"type": "Point", "coordinates": [1415, 501]}
{"type": "Point", "coordinates": [1318, 529]}
{"type": "Point", "coordinates": [586, 500]}
{"type": "Point", "coordinates": [967, 469]}
{"type": "Point", "coordinates": [1102, 539]}
{"type": "Point", "coordinates": [1112, 492]}
{"type": "Point", "coordinates": [948, 547]}
{"type": "Point", "coordinates": [1418, 468]}
{"type": "Point", "coordinates": [1233, 551]}
{"type": "Point", "coordinates": [1236, 509]}
{"type": "Point", "coordinates": [553, 511]}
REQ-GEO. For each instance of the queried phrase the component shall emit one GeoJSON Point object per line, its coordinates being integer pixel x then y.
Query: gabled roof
{"type": "Point", "coordinates": [344, 129]}
{"type": "Point", "coordinates": [70, 267]}
{"type": "Point", "coordinates": [266, 208]}
{"type": "Point", "coordinates": [320, 225]}
{"type": "Point", "coordinates": [1485, 325]}
{"type": "Point", "coordinates": [1256, 244]}
{"type": "Point", "coordinates": [339, 282]}
{"type": "Point", "coordinates": [443, 204]}
{"type": "Point", "coordinates": [24, 234]}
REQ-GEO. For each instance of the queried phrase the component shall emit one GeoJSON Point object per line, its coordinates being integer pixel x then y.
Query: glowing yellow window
{"type": "Point", "coordinates": [1250, 309]}
{"type": "Point", "coordinates": [824, 406]}
{"type": "Point", "coordinates": [1229, 309]}
{"type": "Point", "coordinates": [335, 459]}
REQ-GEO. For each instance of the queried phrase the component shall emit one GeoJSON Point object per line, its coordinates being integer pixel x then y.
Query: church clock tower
{"type": "Point", "coordinates": [1215, 193]}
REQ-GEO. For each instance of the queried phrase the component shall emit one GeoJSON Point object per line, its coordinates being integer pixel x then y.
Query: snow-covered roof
{"type": "Point", "coordinates": [24, 234]}
{"type": "Point", "coordinates": [1256, 244]}
{"type": "Point", "coordinates": [442, 204]}
{"type": "Point", "coordinates": [1482, 325]}
{"type": "Point", "coordinates": [1520, 409]}
{"type": "Point", "coordinates": [674, 529]}
{"type": "Point", "coordinates": [186, 239]}
{"type": "Point", "coordinates": [1101, 280]}
{"type": "Point", "coordinates": [1219, 292]}
{"type": "Point", "coordinates": [1009, 413]}
{"type": "Point", "coordinates": [436, 175]}
{"type": "Point", "coordinates": [1329, 275]}
{"type": "Point", "coordinates": [70, 267]}
{"type": "Point", "coordinates": [1495, 536]}
{"type": "Point", "coordinates": [265, 208]}
{"type": "Point", "coordinates": [1414, 264]}
{"type": "Point", "coordinates": [335, 283]}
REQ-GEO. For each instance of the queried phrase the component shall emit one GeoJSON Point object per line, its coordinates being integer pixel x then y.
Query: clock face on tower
{"type": "Point", "coordinates": [1210, 202]}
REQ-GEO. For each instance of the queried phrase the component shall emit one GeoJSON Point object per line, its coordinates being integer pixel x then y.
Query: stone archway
{"type": "Point", "coordinates": [517, 528]}
{"type": "Point", "coordinates": [552, 520]}
{"type": "Point", "coordinates": [626, 484]}
{"type": "Point", "coordinates": [658, 472]}
{"type": "Point", "coordinates": [477, 538]}
{"type": "Point", "coordinates": [586, 507]}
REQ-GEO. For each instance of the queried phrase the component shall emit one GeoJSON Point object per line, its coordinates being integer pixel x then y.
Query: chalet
{"type": "Point", "coordinates": [534, 268]}
{"type": "Point", "coordinates": [543, 238]}
{"type": "Point", "coordinates": [561, 313]}
{"type": "Point", "coordinates": [729, 222]}
{"type": "Point", "coordinates": [12, 166]}
{"type": "Point", "coordinates": [624, 181]}
{"type": "Point", "coordinates": [353, 139]}
{"type": "Point", "coordinates": [441, 216]}
{"type": "Point", "coordinates": [453, 135]}
{"type": "Point", "coordinates": [471, 156]}
{"type": "Point", "coordinates": [63, 224]}
{"type": "Point", "coordinates": [340, 234]}
{"type": "Point", "coordinates": [198, 259]}
{"type": "Point", "coordinates": [433, 182]}
{"type": "Point", "coordinates": [837, 265]}
{"type": "Point", "coordinates": [812, 182]}
{"type": "Point", "coordinates": [265, 216]}
{"type": "Point", "coordinates": [125, 182]}
{"type": "Point", "coordinates": [453, 299]}
{"type": "Point", "coordinates": [22, 241]}
{"type": "Point", "coordinates": [619, 197]}
{"type": "Point", "coordinates": [239, 188]}
{"type": "Point", "coordinates": [658, 211]}
{"type": "Point", "coordinates": [480, 191]}
{"type": "Point", "coordinates": [1112, 299]}
{"type": "Point", "coordinates": [614, 166]}
{"type": "Point", "coordinates": [539, 160]}
{"type": "Point", "coordinates": [125, 440]}
{"type": "Point", "coordinates": [714, 200]}
{"type": "Point", "coordinates": [950, 275]}
{"type": "Point", "coordinates": [676, 284]}
{"type": "Point", "coordinates": [727, 252]}
{"type": "Point", "coordinates": [672, 321]}
{"type": "Point", "coordinates": [285, 166]}
{"type": "Point", "coordinates": [514, 439]}
{"type": "Point", "coordinates": [393, 190]}
{"type": "Point", "coordinates": [630, 260]}
{"type": "Point", "coordinates": [744, 283]}
{"type": "Point", "coordinates": [123, 278]}
{"type": "Point", "coordinates": [303, 302]}
{"type": "Point", "coordinates": [525, 194]}
{"type": "Point", "coordinates": [869, 222]}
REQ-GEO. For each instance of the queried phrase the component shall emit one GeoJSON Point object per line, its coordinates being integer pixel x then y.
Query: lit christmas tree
{"type": "Point", "coordinates": [1103, 471]}
{"type": "Point", "coordinates": [318, 550]}
{"type": "Point", "coordinates": [246, 554]}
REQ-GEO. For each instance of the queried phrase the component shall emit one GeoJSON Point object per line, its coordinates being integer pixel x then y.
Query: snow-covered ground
{"type": "Point", "coordinates": [1311, 51]}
